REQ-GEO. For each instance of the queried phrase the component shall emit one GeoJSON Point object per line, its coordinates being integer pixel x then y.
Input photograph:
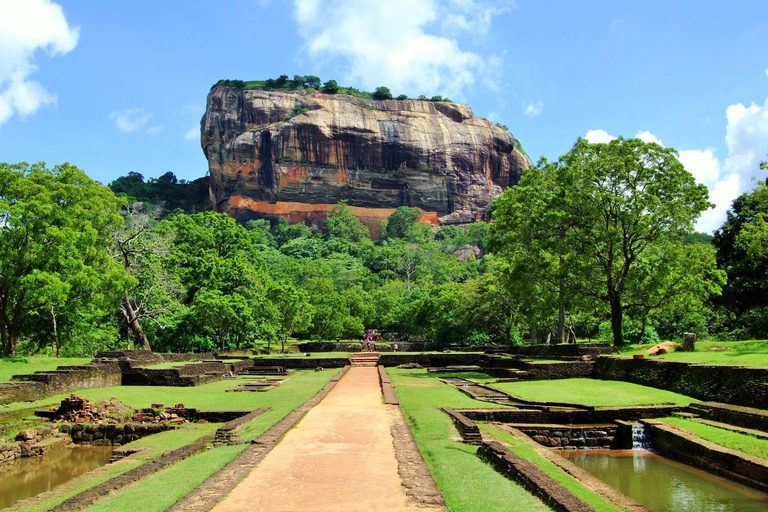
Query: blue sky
{"type": "Point", "coordinates": [114, 87]}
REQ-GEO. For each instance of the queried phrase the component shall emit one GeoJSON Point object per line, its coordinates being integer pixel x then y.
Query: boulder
{"type": "Point", "coordinates": [294, 154]}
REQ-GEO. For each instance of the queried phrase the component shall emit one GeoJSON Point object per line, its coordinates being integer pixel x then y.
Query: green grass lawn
{"type": "Point", "coordinates": [10, 366]}
{"type": "Point", "coordinates": [741, 353]}
{"type": "Point", "coordinates": [526, 451]}
{"type": "Point", "coordinates": [467, 483]}
{"type": "Point", "coordinates": [164, 488]}
{"type": "Point", "coordinates": [600, 393]}
{"type": "Point", "coordinates": [725, 438]}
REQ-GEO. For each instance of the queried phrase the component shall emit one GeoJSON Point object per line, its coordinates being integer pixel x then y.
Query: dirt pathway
{"type": "Point", "coordinates": [339, 458]}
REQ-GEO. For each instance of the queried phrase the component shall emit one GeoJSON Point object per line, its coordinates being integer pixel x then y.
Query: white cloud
{"type": "Point", "coordinates": [747, 139]}
{"type": "Point", "coordinates": [648, 137]}
{"type": "Point", "coordinates": [26, 27]}
{"type": "Point", "coordinates": [598, 137]}
{"type": "Point", "coordinates": [704, 165]}
{"type": "Point", "coordinates": [131, 119]}
{"type": "Point", "coordinates": [193, 133]}
{"type": "Point", "coordinates": [399, 43]}
{"type": "Point", "coordinates": [533, 109]}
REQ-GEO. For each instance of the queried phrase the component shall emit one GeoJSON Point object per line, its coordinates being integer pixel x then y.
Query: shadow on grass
{"type": "Point", "coordinates": [14, 359]}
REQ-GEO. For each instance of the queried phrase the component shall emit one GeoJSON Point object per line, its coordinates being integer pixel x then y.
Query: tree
{"type": "Point", "coordinates": [292, 307]}
{"type": "Point", "coordinates": [140, 251]}
{"type": "Point", "coordinates": [400, 220]}
{"type": "Point", "coordinates": [343, 224]}
{"type": "Point", "coordinates": [741, 244]}
{"type": "Point", "coordinates": [312, 81]}
{"type": "Point", "coordinates": [221, 316]}
{"type": "Point", "coordinates": [55, 225]}
{"type": "Point", "coordinates": [601, 208]}
{"type": "Point", "coordinates": [382, 93]}
{"type": "Point", "coordinates": [330, 87]}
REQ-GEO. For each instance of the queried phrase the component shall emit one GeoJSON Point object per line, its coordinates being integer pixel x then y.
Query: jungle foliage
{"type": "Point", "coordinates": [84, 269]}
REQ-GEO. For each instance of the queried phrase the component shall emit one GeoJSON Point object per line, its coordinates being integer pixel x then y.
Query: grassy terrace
{"type": "Point", "coordinates": [153, 447]}
{"type": "Point", "coordinates": [740, 353]}
{"type": "Point", "coordinates": [467, 483]}
{"type": "Point", "coordinates": [600, 393]}
{"type": "Point", "coordinates": [725, 438]}
{"type": "Point", "coordinates": [10, 366]}
{"type": "Point", "coordinates": [161, 490]}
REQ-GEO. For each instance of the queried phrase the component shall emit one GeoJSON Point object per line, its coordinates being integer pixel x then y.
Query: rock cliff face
{"type": "Point", "coordinates": [296, 154]}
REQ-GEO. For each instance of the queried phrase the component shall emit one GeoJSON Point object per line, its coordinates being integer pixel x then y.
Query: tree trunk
{"type": "Point", "coordinates": [133, 324]}
{"type": "Point", "coordinates": [534, 334]}
{"type": "Point", "coordinates": [642, 330]}
{"type": "Point", "coordinates": [561, 334]}
{"type": "Point", "coordinates": [55, 332]}
{"type": "Point", "coordinates": [616, 321]}
{"type": "Point", "coordinates": [5, 345]}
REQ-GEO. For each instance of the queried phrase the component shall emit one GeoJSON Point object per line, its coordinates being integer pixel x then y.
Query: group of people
{"type": "Point", "coordinates": [371, 337]}
{"type": "Point", "coordinates": [370, 340]}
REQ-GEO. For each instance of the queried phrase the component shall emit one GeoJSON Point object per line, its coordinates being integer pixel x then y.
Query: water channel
{"type": "Point", "coordinates": [664, 485]}
{"type": "Point", "coordinates": [27, 477]}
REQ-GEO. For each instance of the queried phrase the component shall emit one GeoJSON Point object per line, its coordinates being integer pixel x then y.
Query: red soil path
{"type": "Point", "coordinates": [339, 458]}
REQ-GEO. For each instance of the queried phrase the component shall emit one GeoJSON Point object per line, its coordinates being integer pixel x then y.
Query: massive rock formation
{"type": "Point", "coordinates": [295, 154]}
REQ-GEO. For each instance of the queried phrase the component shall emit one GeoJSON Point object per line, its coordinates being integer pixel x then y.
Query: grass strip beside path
{"type": "Point", "coordinates": [600, 393]}
{"type": "Point", "coordinates": [726, 438]}
{"type": "Point", "coordinates": [467, 483]}
{"type": "Point", "coordinates": [163, 489]}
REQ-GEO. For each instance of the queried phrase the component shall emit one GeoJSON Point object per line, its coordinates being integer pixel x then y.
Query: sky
{"type": "Point", "coordinates": [115, 87]}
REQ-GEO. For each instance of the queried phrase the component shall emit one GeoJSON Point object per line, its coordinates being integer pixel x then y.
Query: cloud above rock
{"type": "Point", "coordinates": [25, 28]}
{"type": "Point", "coordinates": [410, 46]}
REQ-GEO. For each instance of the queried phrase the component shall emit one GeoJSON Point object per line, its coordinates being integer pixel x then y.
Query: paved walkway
{"type": "Point", "coordinates": [339, 458]}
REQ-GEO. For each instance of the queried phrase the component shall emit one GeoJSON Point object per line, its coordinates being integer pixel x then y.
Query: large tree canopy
{"type": "Point", "coordinates": [55, 225]}
{"type": "Point", "coordinates": [595, 221]}
{"type": "Point", "coordinates": [742, 251]}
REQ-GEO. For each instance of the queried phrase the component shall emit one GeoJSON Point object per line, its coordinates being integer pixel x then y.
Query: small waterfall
{"type": "Point", "coordinates": [640, 439]}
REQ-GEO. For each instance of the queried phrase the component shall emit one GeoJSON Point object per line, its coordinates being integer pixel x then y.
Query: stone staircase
{"type": "Point", "coordinates": [365, 359]}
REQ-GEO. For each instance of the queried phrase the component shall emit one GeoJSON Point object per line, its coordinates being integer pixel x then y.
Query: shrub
{"type": "Point", "coordinates": [330, 87]}
{"type": "Point", "coordinates": [382, 93]}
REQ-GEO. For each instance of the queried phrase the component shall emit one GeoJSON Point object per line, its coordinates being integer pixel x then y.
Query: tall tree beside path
{"type": "Point", "coordinates": [55, 226]}
{"type": "Point", "coordinates": [602, 208]}
{"type": "Point", "coordinates": [140, 250]}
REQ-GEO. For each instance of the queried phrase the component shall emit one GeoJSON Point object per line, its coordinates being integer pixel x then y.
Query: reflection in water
{"type": "Point", "coordinates": [663, 485]}
{"type": "Point", "coordinates": [26, 477]}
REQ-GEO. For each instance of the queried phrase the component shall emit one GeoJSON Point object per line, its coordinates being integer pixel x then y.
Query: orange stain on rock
{"type": "Point", "coordinates": [297, 212]}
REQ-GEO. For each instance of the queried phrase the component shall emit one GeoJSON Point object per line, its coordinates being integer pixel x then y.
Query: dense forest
{"type": "Point", "coordinates": [596, 246]}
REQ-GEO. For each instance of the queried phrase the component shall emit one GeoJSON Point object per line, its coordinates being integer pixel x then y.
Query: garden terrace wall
{"type": "Point", "coordinates": [532, 478]}
{"type": "Point", "coordinates": [12, 392]}
{"type": "Point", "coordinates": [746, 417]}
{"type": "Point", "coordinates": [602, 415]}
{"type": "Point", "coordinates": [111, 435]}
{"type": "Point", "coordinates": [736, 385]}
{"type": "Point", "coordinates": [687, 448]}
{"type": "Point", "coordinates": [449, 359]}
{"type": "Point", "coordinates": [563, 350]}
{"type": "Point", "coordinates": [564, 370]}
{"type": "Point", "coordinates": [302, 363]}
{"type": "Point", "coordinates": [39, 385]}
{"type": "Point", "coordinates": [561, 436]}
